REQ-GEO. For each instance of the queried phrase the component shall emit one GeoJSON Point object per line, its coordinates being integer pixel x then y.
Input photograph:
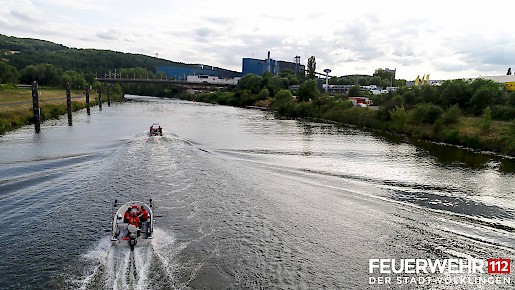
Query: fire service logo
{"type": "Point", "coordinates": [440, 271]}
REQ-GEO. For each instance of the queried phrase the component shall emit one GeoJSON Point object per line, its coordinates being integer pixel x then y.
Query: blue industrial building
{"type": "Point", "coordinates": [260, 66]}
{"type": "Point", "coordinates": [180, 72]}
{"type": "Point", "coordinates": [249, 65]}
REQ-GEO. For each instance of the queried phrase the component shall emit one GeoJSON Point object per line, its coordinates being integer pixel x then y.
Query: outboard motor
{"type": "Point", "coordinates": [133, 234]}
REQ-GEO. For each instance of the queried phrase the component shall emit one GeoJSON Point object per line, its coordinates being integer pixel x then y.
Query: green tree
{"type": "Point", "coordinates": [292, 78]}
{"type": "Point", "coordinates": [484, 97]}
{"type": "Point", "coordinates": [375, 80]}
{"type": "Point", "coordinates": [75, 79]}
{"type": "Point", "coordinates": [251, 82]}
{"type": "Point", "coordinates": [399, 117]}
{"type": "Point", "coordinates": [410, 97]}
{"type": "Point", "coordinates": [454, 92]}
{"type": "Point", "coordinates": [136, 73]}
{"type": "Point", "coordinates": [8, 74]}
{"type": "Point", "coordinates": [425, 113]}
{"type": "Point", "coordinates": [384, 75]}
{"type": "Point", "coordinates": [44, 74]}
{"type": "Point", "coordinates": [363, 81]}
{"type": "Point", "coordinates": [161, 75]}
{"type": "Point", "coordinates": [429, 94]}
{"type": "Point", "coordinates": [283, 102]}
{"type": "Point", "coordinates": [354, 91]}
{"type": "Point", "coordinates": [312, 65]}
{"type": "Point", "coordinates": [308, 90]}
{"type": "Point", "coordinates": [263, 94]}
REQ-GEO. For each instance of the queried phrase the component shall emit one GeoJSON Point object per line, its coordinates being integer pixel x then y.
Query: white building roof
{"type": "Point", "coordinates": [498, 78]}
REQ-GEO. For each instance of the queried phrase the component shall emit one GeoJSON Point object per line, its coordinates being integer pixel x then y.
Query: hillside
{"type": "Point", "coordinates": [21, 52]}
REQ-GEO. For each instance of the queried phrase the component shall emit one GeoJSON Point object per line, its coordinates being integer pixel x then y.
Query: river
{"type": "Point", "coordinates": [244, 201]}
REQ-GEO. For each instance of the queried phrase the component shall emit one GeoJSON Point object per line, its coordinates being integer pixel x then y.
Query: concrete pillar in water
{"type": "Point", "coordinates": [87, 100]}
{"type": "Point", "coordinates": [69, 103]}
{"type": "Point", "coordinates": [35, 107]}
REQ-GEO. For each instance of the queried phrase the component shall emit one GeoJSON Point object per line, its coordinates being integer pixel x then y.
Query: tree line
{"type": "Point", "coordinates": [463, 112]}
{"type": "Point", "coordinates": [24, 58]}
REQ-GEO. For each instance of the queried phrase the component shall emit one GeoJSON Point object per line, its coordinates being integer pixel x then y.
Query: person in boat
{"type": "Point", "coordinates": [160, 130]}
{"type": "Point", "coordinates": [143, 215]}
{"type": "Point", "coordinates": [133, 219]}
{"type": "Point", "coordinates": [126, 215]}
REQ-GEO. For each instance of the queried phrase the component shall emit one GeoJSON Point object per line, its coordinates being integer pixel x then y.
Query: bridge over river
{"type": "Point", "coordinates": [172, 82]}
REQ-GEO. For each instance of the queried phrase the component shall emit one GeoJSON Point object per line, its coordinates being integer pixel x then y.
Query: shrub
{"type": "Point", "coordinates": [451, 136]}
{"type": "Point", "coordinates": [504, 113]}
{"type": "Point", "coordinates": [425, 113]}
{"type": "Point", "coordinates": [471, 141]}
{"type": "Point", "coordinates": [451, 116]}
{"type": "Point", "coordinates": [486, 119]}
{"type": "Point", "coordinates": [399, 118]}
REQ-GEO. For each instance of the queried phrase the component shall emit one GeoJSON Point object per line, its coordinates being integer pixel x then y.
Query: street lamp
{"type": "Point", "coordinates": [327, 71]}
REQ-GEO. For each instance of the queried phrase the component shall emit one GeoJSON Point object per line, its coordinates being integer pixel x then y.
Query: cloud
{"type": "Point", "coordinates": [110, 34]}
{"type": "Point", "coordinates": [204, 34]}
{"type": "Point", "coordinates": [25, 17]}
{"type": "Point", "coordinates": [347, 37]}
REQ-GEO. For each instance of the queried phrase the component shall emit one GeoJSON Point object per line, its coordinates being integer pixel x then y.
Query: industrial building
{"type": "Point", "coordinates": [181, 72]}
{"type": "Point", "coordinates": [249, 65]}
{"type": "Point", "coordinates": [260, 66]}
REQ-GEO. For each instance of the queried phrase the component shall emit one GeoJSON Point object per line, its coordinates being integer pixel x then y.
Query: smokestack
{"type": "Point", "coordinates": [268, 64]}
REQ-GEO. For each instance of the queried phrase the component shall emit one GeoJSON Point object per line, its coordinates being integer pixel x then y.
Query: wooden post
{"type": "Point", "coordinates": [108, 95]}
{"type": "Point", "coordinates": [87, 100]}
{"type": "Point", "coordinates": [99, 99]}
{"type": "Point", "coordinates": [69, 103]}
{"type": "Point", "coordinates": [35, 107]}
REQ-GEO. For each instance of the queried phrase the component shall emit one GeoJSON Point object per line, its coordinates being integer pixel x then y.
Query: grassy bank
{"type": "Point", "coordinates": [16, 105]}
{"type": "Point", "coordinates": [471, 132]}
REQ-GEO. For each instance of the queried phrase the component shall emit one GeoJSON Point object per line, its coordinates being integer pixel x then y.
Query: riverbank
{"type": "Point", "coordinates": [465, 131]}
{"type": "Point", "coordinates": [16, 105]}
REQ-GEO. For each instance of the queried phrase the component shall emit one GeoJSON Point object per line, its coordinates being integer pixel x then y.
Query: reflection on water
{"type": "Point", "coordinates": [454, 156]}
{"type": "Point", "coordinates": [245, 201]}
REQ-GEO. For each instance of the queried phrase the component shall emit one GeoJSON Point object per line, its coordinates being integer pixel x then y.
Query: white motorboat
{"type": "Point", "coordinates": [133, 223]}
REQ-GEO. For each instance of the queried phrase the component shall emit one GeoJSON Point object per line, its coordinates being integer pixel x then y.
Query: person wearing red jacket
{"type": "Point", "coordinates": [133, 219]}
{"type": "Point", "coordinates": [126, 215]}
{"type": "Point", "coordinates": [143, 216]}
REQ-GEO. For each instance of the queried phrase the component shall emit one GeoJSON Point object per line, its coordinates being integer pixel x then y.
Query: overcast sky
{"type": "Point", "coordinates": [448, 39]}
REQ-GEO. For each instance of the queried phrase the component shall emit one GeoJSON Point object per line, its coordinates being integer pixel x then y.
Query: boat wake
{"type": "Point", "coordinates": [117, 267]}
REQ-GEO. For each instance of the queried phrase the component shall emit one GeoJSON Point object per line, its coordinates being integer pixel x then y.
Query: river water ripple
{"type": "Point", "coordinates": [244, 201]}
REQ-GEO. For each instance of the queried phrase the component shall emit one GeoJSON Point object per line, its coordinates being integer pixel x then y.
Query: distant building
{"type": "Point", "coordinates": [393, 71]}
{"type": "Point", "coordinates": [249, 65]}
{"type": "Point", "coordinates": [260, 66]}
{"type": "Point", "coordinates": [498, 78]}
{"type": "Point", "coordinates": [181, 72]}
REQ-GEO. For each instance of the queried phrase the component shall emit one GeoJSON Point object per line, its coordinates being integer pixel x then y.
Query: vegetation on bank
{"type": "Point", "coordinates": [16, 104]}
{"type": "Point", "coordinates": [476, 114]}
